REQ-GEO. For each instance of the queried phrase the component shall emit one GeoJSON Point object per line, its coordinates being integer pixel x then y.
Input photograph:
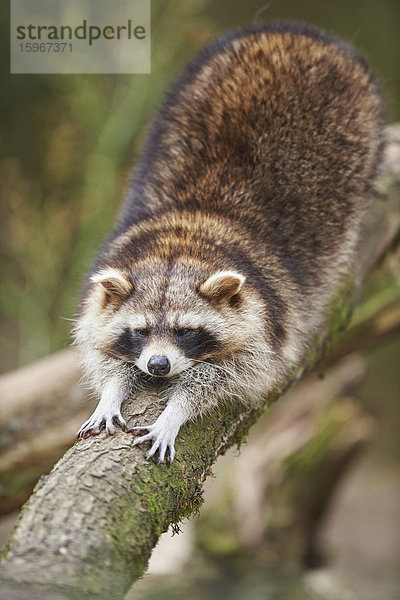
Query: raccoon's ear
{"type": "Point", "coordinates": [115, 283]}
{"type": "Point", "coordinates": [222, 285]}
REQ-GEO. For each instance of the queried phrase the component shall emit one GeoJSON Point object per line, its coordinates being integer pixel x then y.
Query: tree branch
{"type": "Point", "coordinates": [89, 528]}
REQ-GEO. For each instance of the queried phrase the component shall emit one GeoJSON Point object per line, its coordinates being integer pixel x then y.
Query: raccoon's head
{"type": "Point", "coordinates": [167, 321]}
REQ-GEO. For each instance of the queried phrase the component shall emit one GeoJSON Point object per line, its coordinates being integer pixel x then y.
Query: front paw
{"type": "Point", "coordinates": [99, 421]}
{"type": "Point", "coordinates": [161, 438]}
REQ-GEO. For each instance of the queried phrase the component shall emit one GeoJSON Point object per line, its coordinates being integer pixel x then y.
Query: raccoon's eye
{"type": "Point", "coordinates": [184, 332]}
{"type": "Point", "coordinates": [142, 332]}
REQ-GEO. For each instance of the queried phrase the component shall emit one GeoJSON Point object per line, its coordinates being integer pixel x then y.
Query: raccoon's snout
{"type": "Point", "coordinates": [159, 365]}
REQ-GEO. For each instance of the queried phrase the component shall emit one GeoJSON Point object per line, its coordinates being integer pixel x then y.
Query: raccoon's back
{"type": "Point", "coordinates": [276, 124]}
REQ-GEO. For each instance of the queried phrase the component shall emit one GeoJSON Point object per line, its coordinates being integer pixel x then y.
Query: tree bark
{"type": "Point", "coordinates": [89, 527]}
{"type": "Point", "coordinates": [41, 407]}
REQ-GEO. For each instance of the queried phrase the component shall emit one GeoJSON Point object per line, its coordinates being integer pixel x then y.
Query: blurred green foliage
{"type": "Point", "coordinates": [67, 144]}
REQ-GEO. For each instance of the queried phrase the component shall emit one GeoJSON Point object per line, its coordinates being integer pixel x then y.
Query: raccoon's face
{"type": "Point", "coordinates": [166, 322]}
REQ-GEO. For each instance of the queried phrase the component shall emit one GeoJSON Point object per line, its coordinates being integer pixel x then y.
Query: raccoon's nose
{"type": "Point", "coordinates": [159, 365]}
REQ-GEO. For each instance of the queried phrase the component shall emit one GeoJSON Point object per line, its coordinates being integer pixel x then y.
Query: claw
{"type": "Point", "coordinates": [95, 424]}
{"type": "Point", "coordinates": [153, 448]}
{"type": "Point", "coordinates": [118, 420]}
{"type": "Point", "coordinates": [162, 441]}
{"type": "Point", "coordinates": [143, 438]}
{"type": "Point", "coordinates": [161, 454]}
{"type": "Point", "coordinates": [139, 428]}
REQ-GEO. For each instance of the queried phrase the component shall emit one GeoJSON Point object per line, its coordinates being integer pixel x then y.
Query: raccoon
{"type": "Point", "coordinates": [243, 216]}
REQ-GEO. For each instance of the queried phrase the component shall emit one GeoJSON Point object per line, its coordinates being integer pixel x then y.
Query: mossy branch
{"type": "Point", "coordinates": [90, 526]}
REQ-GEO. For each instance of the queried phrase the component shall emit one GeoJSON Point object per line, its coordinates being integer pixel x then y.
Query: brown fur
{"type": "Point", "coordinates": [258, 165]}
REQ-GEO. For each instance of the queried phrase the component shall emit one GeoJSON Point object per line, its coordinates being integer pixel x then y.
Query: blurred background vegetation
{"type": "Point", "coordinates": [67, 145]}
